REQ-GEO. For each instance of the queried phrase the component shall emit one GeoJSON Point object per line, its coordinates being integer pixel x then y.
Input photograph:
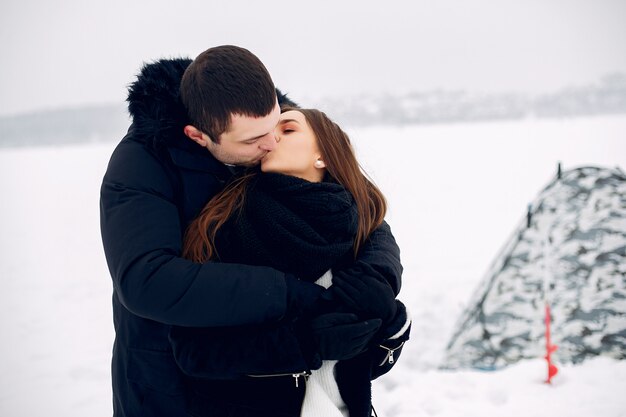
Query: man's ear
{"type": "Point", "coordinates": [196, 135]}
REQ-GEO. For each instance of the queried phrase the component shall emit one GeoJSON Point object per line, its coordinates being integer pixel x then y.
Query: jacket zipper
{"type": "Point", "coordinates": [389, 357]}
{"type": "Point", "coordinates": [296, 376]}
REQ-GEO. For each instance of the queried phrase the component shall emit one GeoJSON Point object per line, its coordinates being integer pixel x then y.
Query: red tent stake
{"type": "Point", "coordinates": [550, 348]}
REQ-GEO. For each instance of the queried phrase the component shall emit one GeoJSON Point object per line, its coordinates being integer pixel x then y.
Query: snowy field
{"type": "Point", "coordinates": [455, 191]}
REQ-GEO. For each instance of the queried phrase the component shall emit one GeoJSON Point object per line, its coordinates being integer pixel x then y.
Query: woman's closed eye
{"type": "Point", "coordinates": [289, 127]}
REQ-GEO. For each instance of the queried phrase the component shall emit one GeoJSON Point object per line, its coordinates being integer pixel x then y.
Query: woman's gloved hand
{"type": "Point", "coordinates": [340, 336]}
{"type": "Point", "coordinates": [364, 292]}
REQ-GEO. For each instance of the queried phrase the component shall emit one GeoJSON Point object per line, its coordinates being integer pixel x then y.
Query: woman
{"type": "Point", "coordinates": [306, 213]}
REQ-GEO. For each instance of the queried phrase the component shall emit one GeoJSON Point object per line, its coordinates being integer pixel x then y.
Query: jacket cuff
{"type": "Point", "coordinates": [308, 347]}
{"type": "Point", "coordinates": [397, 330]}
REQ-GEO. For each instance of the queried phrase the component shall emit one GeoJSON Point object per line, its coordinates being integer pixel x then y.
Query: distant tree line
{"type": "Point", "coordinates": [110, 122]}
{"type": "Point", "coordinates": [440, 106]}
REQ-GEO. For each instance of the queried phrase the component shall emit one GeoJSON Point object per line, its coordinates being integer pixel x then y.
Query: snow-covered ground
{"type": "Point", "coordinates": [455, 194]}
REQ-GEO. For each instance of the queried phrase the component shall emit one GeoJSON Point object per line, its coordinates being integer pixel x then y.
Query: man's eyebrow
{"type": "Point", "coordinates": [254, 138]}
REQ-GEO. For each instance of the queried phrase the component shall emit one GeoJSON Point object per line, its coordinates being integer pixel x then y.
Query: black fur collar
{"type": "Point", "coordinates": [155, 106]}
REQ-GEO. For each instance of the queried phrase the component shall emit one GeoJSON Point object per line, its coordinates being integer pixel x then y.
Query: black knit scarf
{"type": "Point", "coordinates": [290, 224]}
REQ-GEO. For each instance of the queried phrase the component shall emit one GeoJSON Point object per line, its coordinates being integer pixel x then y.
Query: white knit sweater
{"type": "Point", "coordinates": [322, 398]}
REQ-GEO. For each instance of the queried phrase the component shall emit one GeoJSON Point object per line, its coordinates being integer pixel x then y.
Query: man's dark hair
{"type": "Point", "coordinates": [222, 81]}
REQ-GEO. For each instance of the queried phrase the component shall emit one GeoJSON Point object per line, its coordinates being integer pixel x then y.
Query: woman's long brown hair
{"type": "Point", "coordinates": [341, 164]}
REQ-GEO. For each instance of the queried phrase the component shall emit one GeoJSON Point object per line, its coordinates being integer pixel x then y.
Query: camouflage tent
{"type": "Point", "coordinates": [569, 250]}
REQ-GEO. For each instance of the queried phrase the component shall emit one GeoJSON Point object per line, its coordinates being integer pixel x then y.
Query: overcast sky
{"type": "Point", "coordinates": [70, 53]}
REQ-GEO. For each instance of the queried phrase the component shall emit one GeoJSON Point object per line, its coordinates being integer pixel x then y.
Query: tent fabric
{"type": "Point", "coordinates": [570, 251]}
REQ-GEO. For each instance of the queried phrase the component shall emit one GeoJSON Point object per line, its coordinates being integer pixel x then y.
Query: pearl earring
{"type": "Point", "coordinates": [319, 164]}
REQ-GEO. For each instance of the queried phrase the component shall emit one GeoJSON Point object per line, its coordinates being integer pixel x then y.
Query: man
{"type": "Point", "coordinates": [192, 123]}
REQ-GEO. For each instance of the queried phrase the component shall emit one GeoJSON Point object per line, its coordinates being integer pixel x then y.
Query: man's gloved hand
{"type": "Point", "coordinates": [340, 336]}
{"type": "Point", "coordinates": [365, 292]}
{"type": "Point", "coordinates": [301, 296]}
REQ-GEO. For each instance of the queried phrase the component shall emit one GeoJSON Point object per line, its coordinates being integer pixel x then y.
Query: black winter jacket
{"type": "Point", "coordinates": [301, 228]}
{"type": "Point", "coordinates": [156, 182]}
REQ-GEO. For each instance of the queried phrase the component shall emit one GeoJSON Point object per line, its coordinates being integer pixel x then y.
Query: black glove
{"type": "Point", "coordinates": [340, 336]}
{"type": "Point", "coordinates": [301, 296]}
{"type": "Point", "coordinates": [365, 292]}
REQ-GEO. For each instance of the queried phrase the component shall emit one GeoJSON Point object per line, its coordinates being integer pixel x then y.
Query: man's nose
{"type": "Point", "coordinates": [268, 143]}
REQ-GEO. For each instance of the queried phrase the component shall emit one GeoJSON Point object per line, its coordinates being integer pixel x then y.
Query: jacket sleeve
{"type": "Point", "coordinates": [229, 353]}
{"type": "Point", "coordinates": [141, 233]}
{"type": "Point", "coordinates": [386, 349]}
{"type": "Point", "coordinates": [234, 352]}
{"type": "Point", "coordinates": [381, 252]}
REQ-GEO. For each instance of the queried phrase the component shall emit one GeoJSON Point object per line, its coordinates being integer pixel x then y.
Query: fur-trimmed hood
{"type": "Point", "coordinates": [154, 102]}
{"type": "Point", "coordinates": [155, 106]}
